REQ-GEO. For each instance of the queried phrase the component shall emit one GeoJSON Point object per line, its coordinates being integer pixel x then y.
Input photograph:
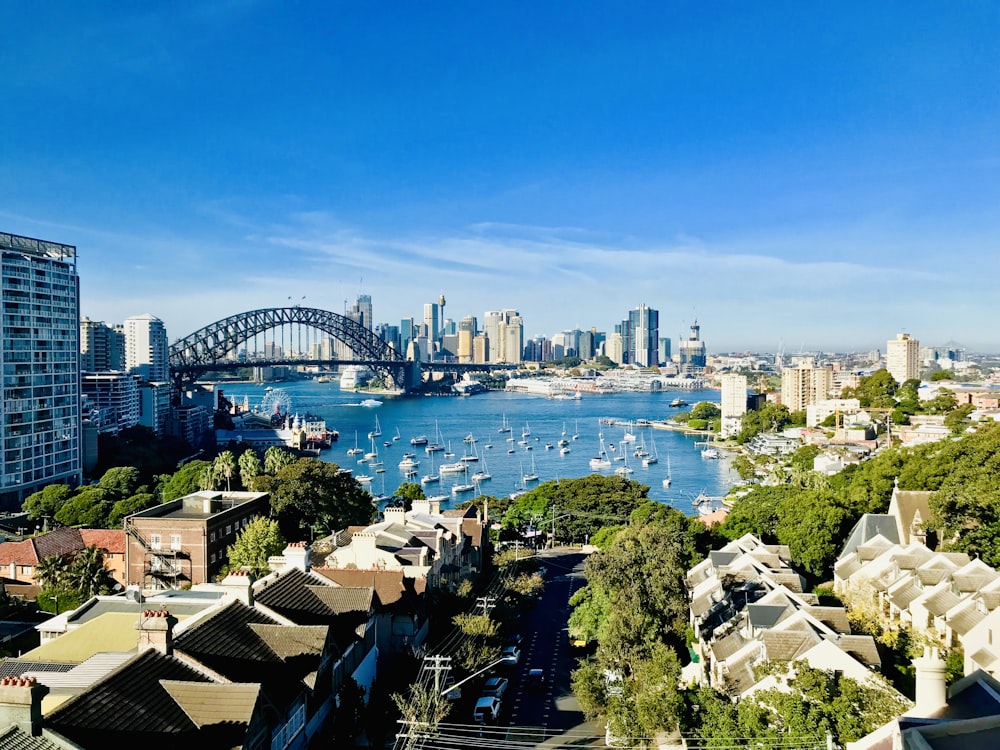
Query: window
{"type": "Point", "coordinates": [154, 541]}
{"type": "Point", "coordinates": [211, 537]}
{"type": "Point", "coordinates": [211, 558]}
{"type": "Point", "coordinates": [175, 541]}
{"type": "Point", "coordinates": [229, 529]}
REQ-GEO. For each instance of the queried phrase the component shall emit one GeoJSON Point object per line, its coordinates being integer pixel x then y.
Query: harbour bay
{"type": "Point", "coordinates": [507, 456]}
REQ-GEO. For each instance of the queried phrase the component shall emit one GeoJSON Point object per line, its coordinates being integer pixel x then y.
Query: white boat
{"type": "Point", "coordinates": [651, 458]}
{"type": "Point", "coordinates": [370, 403]}
{"type": "Point", "coordinates": [396, 436]}
{"type": "Point", "coordinates": [483, 475]}
{"type": "Point", "coordinates": [418, 440]}
{"type": "Point", "coordinates": [470, 438]}
{"type": "Point", "coordinates": [459, 489]}
{"type": "Point", "coordinates": [410, 473]}
{"type": "Point", "coordinates": [564, 450]}
{"type": "Point", "coordinates": [601, 460]}
{"type": "Point", "coordinates": [628, 436]}
{"type": "Point", "coordinates": [377, 432]}
{"type": "Point", "coordinates": [667, 480]}
{"type": "Point", "coordinates": [531, 476]}
{"type": "Point", "coordinates": [364, 479]}
{"type": "Point", "coordinates": [576, 431]}
{"type": "Point", "coordinates": [355, 451]}
{"type": "Point", "coordinates": [624, 470]}
{"type": "Point", "coordinates": [353, 376]}
{"type": "Point", "coordinates": [432, 476]}
{"type": "Point", "coordinates": [527, 431]}
{"type": "Point", "coordinates": [504, 427]}
{"type": "Point", "coordinates": [710, 453]}
{"type": "Point", "coordinates": [453, 468]}
{"type": "Point", "coordinates": [408, 462]}
{"type": "Point", "coordinates": [449, 453]}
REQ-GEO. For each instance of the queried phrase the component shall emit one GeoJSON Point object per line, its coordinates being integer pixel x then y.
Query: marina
{"type": "Point", "coordinates": [578, 430]}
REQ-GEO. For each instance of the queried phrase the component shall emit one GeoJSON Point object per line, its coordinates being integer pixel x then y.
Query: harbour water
{"type": "Point", "coordinates": [508, 456]}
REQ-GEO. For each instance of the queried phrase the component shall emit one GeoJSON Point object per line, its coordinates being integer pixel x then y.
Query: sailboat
{"type": "Point", "coordinates": [504, 427]}
{"type": "Point", "coordinates": [355, 450]}
{"type": "Point", "coordinates": [458, 489]}
{"type": "Point", "coordinates": [650, 459]}
{"type": "Point", "coordinates": [667, 479]}
{"type": "Point", "coordinates": [432, 477]}
{"type": "Point", "coordinates": [624, 470]}
{"type": "Point", "coordinates": [377, 432]}
{"type": "Point", "coordinates": [436, 446]}
{"type": "Point", "coordinates": [396, 436]}
{"type": "Point", "coordinates": [576, 430]}
{"type": "Point", "coordinates": [601, 461]}
{"type": "Point", "coordinates": [531, 476]}
{"type": "Point", "coordinates": [470, 457]}
{"type": "Point", "coordinates": [483, 474]}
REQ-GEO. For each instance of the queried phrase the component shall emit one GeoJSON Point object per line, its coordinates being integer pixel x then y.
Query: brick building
{"type": "Point", "coordinates": [185, 541]}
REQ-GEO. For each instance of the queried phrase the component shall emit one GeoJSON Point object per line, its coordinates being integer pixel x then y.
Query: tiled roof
{"type": "Point", "coordinates": [765, 615]}
{"type": "Point", "coordinates": [787, 645]}
{"type": "Point", "coordinates": [389, 585]}
{"type": "Point", "coordinates": [287, 641]}
{"type": "Point", "coordinates": [18, 667]}
{"type": "Point", "coordinates": [932, 576]}
{"type": "Point", "coordinates": [905, 591]}
{"type": "Point", "coordinates": [940, 602]}
{"type": "Point", "coordinates": [111, 540]}
{"type": "Point", "coordinates": [834, 618]}
{"type": "Point", "coordinates": [725, 647]}
{"type": "Point", "coordinates": [58, 542]}
{"type": "Point", "coordinates": [869, 526]}
{"type": "Point", "coordinates": [984, 658]}
{"type": "Point", "coordinates": [209, 704]}
{"type": "Point", "coordinates": [342, 600]}
{"type": "Point", "coordinates": [15, 738]}
{"type": "Point", "coordinates": [19, 553]}
{"type": "Point", "coordinates": [965, 617]}
{"type": "Point", "coordinates": [113, 707]}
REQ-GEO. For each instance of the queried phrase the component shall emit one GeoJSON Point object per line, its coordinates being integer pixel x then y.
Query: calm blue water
{"type": "Point", "coordinates": [481, 415]}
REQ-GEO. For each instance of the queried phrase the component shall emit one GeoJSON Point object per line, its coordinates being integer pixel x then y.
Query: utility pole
{"type": "Point", "coordinates": [437, 665]}
{"type": "Point", "coordinates": [487, 603]}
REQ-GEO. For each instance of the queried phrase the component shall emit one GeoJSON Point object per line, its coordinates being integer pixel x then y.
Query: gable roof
{"type": "Point", "coordinates": [109, 540]}
{"type": "Point", "coordinates": [209, 703]}
{"type": "Point", "coordinates": [311, 599]}
{"type": "Point", "coordinates": [867, 528]}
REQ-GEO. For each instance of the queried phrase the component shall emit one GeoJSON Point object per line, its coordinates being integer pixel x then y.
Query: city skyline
{"type": "Point", "coordinates": [812, 178]}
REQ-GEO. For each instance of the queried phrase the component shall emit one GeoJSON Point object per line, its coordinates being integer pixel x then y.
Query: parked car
{"type": "Point", "coordinates": [455, 693]}
{"type": "Point", "coordinates": [495, 687]}
{"type": "Point", "coordinates": [511, 654]}
{"type": "Point", "coordinates": [535, 679]}
{"type": "Point", "coordinates": [487, 710]}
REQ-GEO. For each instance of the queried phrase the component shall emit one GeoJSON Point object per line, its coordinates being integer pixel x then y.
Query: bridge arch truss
{"type": "Point", "coordinates": [294, 333]}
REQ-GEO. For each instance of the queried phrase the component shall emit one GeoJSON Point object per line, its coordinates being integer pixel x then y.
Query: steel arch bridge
{"type": "Point", "coordinates": [216, 346]}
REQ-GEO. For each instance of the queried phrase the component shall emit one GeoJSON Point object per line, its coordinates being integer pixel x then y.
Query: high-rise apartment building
{"type": "Point", "coordinates": [361, 311]}
{"type": "Point", "coordinates": [902, 358]}
{"type": "Point", "coordinates": [146, 351]}
{"type": "Point", "coordinates": [102, 348]}
{"type": "Point", "coordinates": [505, 331]}
{"type": "Point", "coordinates": [733, 402]}
{"type": "Point", "coordinates": [644, 336]}
{"type": "Point", "coordinates": [614, 348]}
{"type": "Point", "coordinates": [805, 385]}
{"type": "Point", "coordinates": [40, 378]}
{"type": "Point", "coordinates": [466, 336]}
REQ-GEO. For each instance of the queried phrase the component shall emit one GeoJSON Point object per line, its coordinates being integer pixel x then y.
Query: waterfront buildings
{"type": "Point", "coordinates": [41, 370]}
{"type": "Point", "coordinates": [902, 358]}
{"type": "Point", "coordinates": [146, 350]}
{"type": "Point", "coordinates": [733, 402]}
{"type": "Point", "coordinates": [805, 384]}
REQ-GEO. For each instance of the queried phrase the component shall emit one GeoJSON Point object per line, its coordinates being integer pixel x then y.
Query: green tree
{"type": "Point", "coordinates": [408, 492]}
{"type": "Point", "coordinates": [877, 390]}
{"type": "Point", "coordinates": [51, 571]}
{"type": "Point", "coordinates": [250, 468]}
{"type": "Point", "coordinates": [88, 574]}
{"type": "Point", "coordinates": [705, 410]}
{"type": "Point", "coordinates": [258, 541]}
{"type": "Point", "coordinates": [317, 494]}
{"type": "Point", "coordinates": [128, 506]}
{"type": "Point", "coordinates": [47, 501]}
{"type": "Point", "coordinates": [275, 459]}
{"type": "Point", "coordinates": [90, 508]}
{"type": "Point", "coordinates": [769, 418]}
{"type": "Point", "coordinates": [957, 419]}
{"type": "Point", "coordinates": [120, 482]}
{"type": "Point", "coordinates": [942, 403]}
{"type": "Point", "coordinates": [224, 467]}
{"type": "Point", "coordinates": [182, 482]}
{"type": "Point", "coordinates": [939, 375]}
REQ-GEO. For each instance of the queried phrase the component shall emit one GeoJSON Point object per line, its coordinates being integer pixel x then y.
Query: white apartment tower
{"type": "Point", "coordinates": [146, 351]}
{"type": "Point", "coordinates": [40, 334]}
{"type": "Point", "coordinates": [902, 358]}
{"type": "Point", "coordinates": [504, 331]}
{"type": "Point", "coordinates": [102, 348]}
{"type": "Point", "coordinates": [734, 403]}
{"type": "Point", "coordinates": [805, 385]}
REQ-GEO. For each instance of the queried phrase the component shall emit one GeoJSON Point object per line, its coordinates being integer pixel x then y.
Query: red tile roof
{"type": "Point", "coordinates": [109, 540]}
{"type": "Point", "coordinates": [19, 553]}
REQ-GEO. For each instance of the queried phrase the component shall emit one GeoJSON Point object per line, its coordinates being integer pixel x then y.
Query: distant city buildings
{"type": "Point", "coordinates": [692, 351]}
{"type": "Point", "coordinates": [733, 403]}
{"type": "Point", "coordinates": [146, 350]}
{"type": "Point", "coordinates": [41, 374]}
{"type": "Point", "coordinates": [644, 336]}
{"type": "Point", "coordinates": [804, 385]}
{"type": "Point", "coordinates": [902, 358]}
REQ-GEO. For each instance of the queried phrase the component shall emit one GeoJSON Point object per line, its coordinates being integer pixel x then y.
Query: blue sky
{"type": "Point", "coordinates": [817, 176]}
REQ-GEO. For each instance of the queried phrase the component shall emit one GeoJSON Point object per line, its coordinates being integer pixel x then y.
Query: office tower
{"type": "Point", "coordinates": [624, 332]}
{"type": "Point", "coordinates": [665, 354]}
{"type": "Point", "coordinates": [406, 334]}
{"type": "Point", "coordinates": [587, 347]}
{"type": "Point", "coordinates": [511, 338]}
{"type": "Point", "coordinates": [466, 337]}
{"type": "Point", "coordinates": [481, 349]}
{"type": "Point", "coordinates": [644, 336]}
{"type": "Point", "coordinates": [432, 322]}
{"type": "Point", "coordinates": [805, 385]}
{"type": "Point", "coordinates": [41, 367]}
{"type": "Point", "coordinates": [902, 358]}
{"type": "Point", "coordinates": [491, 329]}
{"type": "Point", "coordinates": [390, 335]}
{"type": "Point", "coordinates": [361, 311]}
{"type": "Point", "coordinates": [146, 352]}
{"type": "Point", "coordinates": [614, 349]}
{"type": "Point", "coordinates": [102, 348]}
{"type": "Point", "coordinates": [692, 350]}
{"type": "Point", "coordinates": [733, 403]}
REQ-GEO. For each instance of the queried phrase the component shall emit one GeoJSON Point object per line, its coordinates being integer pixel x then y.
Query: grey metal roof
{"type": "Point", "coordinates": [868, 527]}
{"type": "Point", "coordinates": [765, 615]}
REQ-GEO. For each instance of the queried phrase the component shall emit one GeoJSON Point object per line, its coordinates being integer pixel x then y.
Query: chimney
{"type": "Point", "coordinates": [239, 585]}
{"type": "Point", "coordinates": [397, 515]}
{"type": "Point", "coordinates": [21, 703]}
{"type": "Point", "coordinates": [931, 687]}
{"type": "Point", "coordinates": [421, 506]}
{"type": "Point", "coordinates": [297, 554]}
{"type": "Point", "coordinates": [435, 507]}
{"type": "Point", "coordinates": [156, 630]}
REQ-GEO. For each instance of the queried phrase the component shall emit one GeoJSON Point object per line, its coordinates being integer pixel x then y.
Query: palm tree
{"type": "Point", "coordinates": [88, 573]}
{"type": "Point", "coordinates": [51, 572]}
{"type": "Point", "coordinates": [225, 466]}
{"type": "Point", "coordinates": [250, 467]}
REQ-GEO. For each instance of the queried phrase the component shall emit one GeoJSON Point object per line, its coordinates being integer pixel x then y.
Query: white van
{"type": "Point", "coordinates": [487, 710]}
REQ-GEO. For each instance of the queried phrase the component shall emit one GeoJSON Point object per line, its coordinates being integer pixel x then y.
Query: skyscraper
{"type": "Point", "coordinates": [361, 311]}
{"type": "Point", "coordinates": [41, 368]}
{"type": "Point", "coordinates": [902, 358]}
{"type": "Point", "coordinates": [432, 321]}
{"type": "Point", "coordinates": [805, 385]}
{"type": "Point", "coordinates": [102, 348]}
{"type": "Point", "coordinates": [733, 402]}
{"type": "Point", "coordinates": [692, 350]}
{"type": "Point", "coordinates": [146, 351]}
{"type": "Point", "coordinates": [644, 336]}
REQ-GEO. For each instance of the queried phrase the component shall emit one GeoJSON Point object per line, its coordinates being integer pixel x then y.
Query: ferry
{"type": "Point", "coordinates": [677, 402]}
